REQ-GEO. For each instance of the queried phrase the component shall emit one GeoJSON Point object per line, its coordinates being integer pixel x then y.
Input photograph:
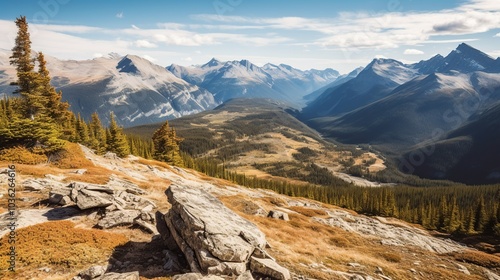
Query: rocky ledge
{"type": "Point", "coordinates": [215, 240]}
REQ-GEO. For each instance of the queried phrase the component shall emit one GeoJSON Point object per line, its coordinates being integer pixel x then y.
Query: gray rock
{"type": "Point", "coordinates": [121, 276]}
{"type": "Point", "coordinates": [462, 269]}
{"type": "Point", "coordinates": [213, 238]}
{"type": "Point", "coordinates": [148, 226]}
{"type": "Point", "coordinates": [116, 183]}
{"type": "Point", "coordinates": [356, 277]}
{"type": "Point", "coordinates": [118, 218]}
{"type": "Point", "coordinates": [93, 272]}
{"type": "Point", "coordinates": [33, 185]}
{"type": "Point", "coordinates": [269, 268]}
{"type": "Point", "coordinates": [490, 275]}
{"type": "Point", "coordinates": [275, 214]}
{"type": "Point", "coordinates": [55, 198]}
{"type": "Point", "coordinates": [86, 199]}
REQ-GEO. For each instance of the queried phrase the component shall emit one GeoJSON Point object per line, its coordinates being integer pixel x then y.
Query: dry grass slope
{"type": "Point", "coordinates": [59, 246]}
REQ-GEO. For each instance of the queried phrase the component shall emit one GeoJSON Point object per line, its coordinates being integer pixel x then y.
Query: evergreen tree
{"type": "Point", "coordinates": [166, 145]}
{"type": "Point", "coordinates": [98, 134]}
{"type": "Point", "coordinates": [116, 140]}
{"type": "Point", "coordinates": [27, 79]}
{"type": "Point", "coordinates": [480, 216]}
{"type": "Point", "coordinates": [82, 133]}
{"type": "Point", "coordinates": [55, 109]}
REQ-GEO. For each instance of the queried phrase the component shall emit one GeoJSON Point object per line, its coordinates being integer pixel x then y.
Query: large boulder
{"type": "Point", "coordinates": [213, 238]}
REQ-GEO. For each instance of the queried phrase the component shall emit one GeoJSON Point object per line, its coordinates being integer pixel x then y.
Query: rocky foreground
{"type": "Point", "coordinates": [183, 225]}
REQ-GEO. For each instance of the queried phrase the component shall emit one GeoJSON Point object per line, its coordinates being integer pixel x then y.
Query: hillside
{"type": "Point", "coordinates": [315, 241]}
{"type": "Point", "coordinates": [260, 137]}
{"type": "Point", "coordinates": [467, 154]}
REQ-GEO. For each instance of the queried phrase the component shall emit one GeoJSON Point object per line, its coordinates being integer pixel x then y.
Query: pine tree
{"type": "Point", "coordinates": [453, 223]}
{"type": "Point", "coordinates": [116, 140]}
{"type": "Point", "coordinates": [166, 145]}
{"type": "Point", "coordinates": [55, 109]}
{"type": "Point", "coordinates": [480, 218]}
{"type": "Point", "coordinates": [27, 79]}
{"type": "Point", "coordinates": [98, 134]}
{"type": "Point", "coordinates": [82, 133]}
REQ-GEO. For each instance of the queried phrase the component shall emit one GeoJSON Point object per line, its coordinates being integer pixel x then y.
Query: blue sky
{"type": "Point", "coordinates": [305, 34]}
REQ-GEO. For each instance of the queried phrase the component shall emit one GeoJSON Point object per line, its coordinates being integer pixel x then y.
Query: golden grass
{"type": "Point", "coordinates": [302, 243]}
{"type": "Point", "coordinates": [21, 155]}
{"type": "Point", "coordinates": [479, 258]}
{"type": "Point", "coordinates": [308, 212]}
{"type": "Point", "coordinates": [71, 156]}
{"type": "Point", "coordinates": [60, 246]}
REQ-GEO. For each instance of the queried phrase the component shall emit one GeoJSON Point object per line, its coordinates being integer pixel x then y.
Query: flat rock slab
{"type": "Point", "coordinates": [269, 268]}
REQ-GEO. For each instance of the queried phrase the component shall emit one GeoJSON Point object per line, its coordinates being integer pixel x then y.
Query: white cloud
{"type": "Point", "coordinates": [148, 57]}
{"type": "Point", "coordinates": [119, 15]}
{"type": "Point", "coordinates": [497, 35]}
{"type": "Point", "coordinates": [144, 44]}
{"type": "Point", "coordinates": [96, 55]}
{"type": "Point", "coordinates": [413, 52]}
{"type": "Point", "coordinates": [135, 27]}
{"type": "Point", "coordinates": [188, 59]}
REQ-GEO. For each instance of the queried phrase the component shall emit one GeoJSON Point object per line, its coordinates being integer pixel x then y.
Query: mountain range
{"type": "Point", "coordinates": [242, 79]}
{"type": "Point", "coordinates": [402, 108]}
{"type": "Point", "coordinates": [395, 107]}
{"type": "Point", "coordinates": [141, 92]}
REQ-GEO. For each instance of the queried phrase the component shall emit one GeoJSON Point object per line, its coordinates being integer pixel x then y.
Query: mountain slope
{"type": "Point", "coordinates": [373, 83]}
{"type": "Point", "coordinates": [468, 154]}
{"type": "Point", "coordinates": [236, 79]}
{"type": "Point", "coordinates": [415, 111]}
{"type": "Point", "coordinates": [374, 246]}
{"type": "Point", "coordinates": [135, 89]}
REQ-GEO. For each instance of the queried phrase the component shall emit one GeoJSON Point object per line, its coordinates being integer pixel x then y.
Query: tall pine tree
{"type": "Point", "coordinates": [116, 140]}
{"type": "Point", "coordinates": [166, 145]}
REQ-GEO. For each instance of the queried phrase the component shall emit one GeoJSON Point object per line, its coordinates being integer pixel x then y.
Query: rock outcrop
{"type": "Point", "coordinates": [119, 200]}
{"type": "Point", "coordinates": [214, 240]}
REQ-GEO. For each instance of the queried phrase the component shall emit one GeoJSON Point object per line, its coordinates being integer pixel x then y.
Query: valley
{"type": "Point", "coordinates": [259, 137]}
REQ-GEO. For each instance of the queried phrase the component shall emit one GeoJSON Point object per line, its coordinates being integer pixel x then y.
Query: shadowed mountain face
{"type": "Point", "coordinates": [403, 109]}
{"type": "Point", "coordinates": [467, 154]}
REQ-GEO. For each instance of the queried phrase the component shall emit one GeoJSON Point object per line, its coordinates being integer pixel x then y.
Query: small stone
{"type": "Point", "coordinates": [275, 214]}
{"type": "Point", "coordinates": [354, 264]}
{"type": "Point", "coordinates": [379, 270]}
{"type": "Point", "coordinates": [270, 268]}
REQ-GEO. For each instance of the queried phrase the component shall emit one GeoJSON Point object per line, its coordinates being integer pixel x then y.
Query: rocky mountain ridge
{"type": "Point", "coordinates": [311, 240]}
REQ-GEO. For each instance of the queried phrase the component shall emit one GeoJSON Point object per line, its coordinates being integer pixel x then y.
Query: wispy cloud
{"type": "Point", "coordinates": [145, 44]}
{"type": "Point", "coordinates": [119, 15]}
{"type": "Point", "coordinates": [413, 52]}
{"type": "Point", "coordinates": [497, 35]}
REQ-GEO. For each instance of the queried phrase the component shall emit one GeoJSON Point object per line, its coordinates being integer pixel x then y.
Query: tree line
{"type": "Point", "coordinates": [456, 209]}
